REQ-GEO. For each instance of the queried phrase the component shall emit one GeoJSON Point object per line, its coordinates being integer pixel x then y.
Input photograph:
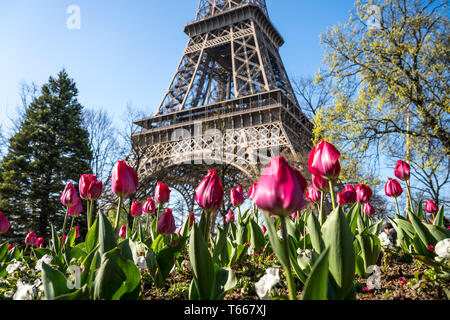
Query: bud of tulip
{"type": "Point", "coordinates": [368, 209]}
{"type": "Point", "coordinates": [294, 215]}
{"type": "Point", "coordinates": [123, 231]}
{"type": "Point", "coordinates": [89, 187]}
{"type": "Point", "coordinates": [320, 184]}
{"type": "Point", "coordinates": [10, 247]}
{"type": "Point", "coordinates": [279, 189]}
{"type": "Point", "coordinates": [76, 209]}
{"type": "Point", "coordinates": [149, 206]}
{"type": "Point", "coordinates": [363, 193]}
{"type": "Point", "coordinates": [237, 196]}
{"type": "Point", "coordinates": [301, 179]}
{"type": "Point", "coordinates": [209, 193]}
{"type": "Point", "coordinates": [136, 209]}
{"type": "Point", "coordinates": [229, 217]}
{"type": "Point", "coordinates": [69, 196]}
{"type": "Point", "coordinates": [77, 232]}
{"type": "Point", "coordinates": [402, 170]}
{"type": "Point", "coordinates": [251, 191]}
{"type": "Point", "coordinates": [192, 217]}
{"type": "Point", "coordinates": [30, 239]}
{"type": "Point", "coordinates": [347, 196]}
{"type": "Point", "coordinates": [393, 188]}
{"type": "Point", "coordinates": [324, 161]}
{"type": "Point", "coordinates": [264, 229]}
{"type": "Point", "coordinates": [430, 207]}
{"type": "Point", "coordinates": [313, 194]}
{"type": "Point", "coordinates": [162, 193]}
{"type": "Point", "coordinates": [4, 224]}
{"type": "Point", "coordinates": [166, 224]}
{"type": "Point", "coordinates": [124, 180]}
{"type": "Point", "coordinates": [40, 242]}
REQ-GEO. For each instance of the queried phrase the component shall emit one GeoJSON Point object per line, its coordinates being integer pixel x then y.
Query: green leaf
{"type": "Point", "coordinates": [275, 241]}
{"type": "Point", "coordinates": [370, 250]}
{"type": "Point", "coordinates": [71, 237]}
{"type": "Point", "coordinates": [225, 281]}
{"type": "Point", "coordinates": [115, 277]}
{"type": "Point", "coordinates": [92, 236]}
{"type": "Point", "coordinates": [3, 250]}
{"type": "Point", "coordinates": [422, 231]}
{"type": "Point", "coordinates": [316, 287]}
{"type": "Point", "coordinates": [339, 238]}
{"type": "Point", "coordinates": [221, 242]}
{"type": "Point", "coordinates": [352, 216]}
{"type": "Point", "coordinates": [257, 239]}
{"type": "Point", "coordinates": [107, 238]}
{"type": "Point", "coordinates": [202, 264]}
{"type": "Point", "coordinates": [54, 282]}
{"type": "Point", "coordinates": [125, 249]}
{"type": "Point", "coordinates": [56, 243]}
{"type": "Point", "coordinates": [439, 219]}
{"type": "Point", "coordinates": [158, 244]}
{"type": "Point", "coordinates": [438, 233]}
{"type": "Point", "coordinates": [315, 234]}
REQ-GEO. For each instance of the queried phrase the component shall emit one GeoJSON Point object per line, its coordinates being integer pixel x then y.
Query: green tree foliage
{"type": "Point", "coordinates": [389, 83]}
{"type": "Point", "coordinates": [49, 149]}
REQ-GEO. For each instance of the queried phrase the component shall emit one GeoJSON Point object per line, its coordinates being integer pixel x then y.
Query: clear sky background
{"type": "Point", "coordinates": [128, 50]}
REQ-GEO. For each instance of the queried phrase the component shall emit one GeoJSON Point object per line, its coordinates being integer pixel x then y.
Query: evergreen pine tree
{"type": "Point", "coordinates": [50, 149]}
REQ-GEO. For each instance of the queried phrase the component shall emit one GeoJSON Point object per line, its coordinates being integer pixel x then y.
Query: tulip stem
{"type": "Point", "coordinates": [71, 224]}
{"type": "Point", "coordinates": [147, 224]}
{"type": "Point", "coordinates": [321, 210]}
{"type": "Point", "coordinates": [239, 212]}
{"type": "Point", "coordinates": [116, 224]}
{"type": "Point", "coordinates": [333, 200]}
{"type": "Point", "coordinates": [409, 196]}
{"type": "Point", "coordinates": [207, 225]}
{"type": "Point", "coordinates": [65, 221]}
{"type": "Point", "coordinates": [289, 276]}
{"type": "Point", "coordinates": [398, 210]}
{"type": "Point", "coordinates": [89, 214]}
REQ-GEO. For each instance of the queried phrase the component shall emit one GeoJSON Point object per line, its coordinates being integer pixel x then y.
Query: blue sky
{"type": "Point", "coordinates": [128, 50]}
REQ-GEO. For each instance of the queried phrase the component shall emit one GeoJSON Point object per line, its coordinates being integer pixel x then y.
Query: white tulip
{"type": "Point", "coordinates": [142, 263]}
{"type": "Point", "coordinates": [442, 248]}
{"type": "Point", "coordinates": [265, 284]}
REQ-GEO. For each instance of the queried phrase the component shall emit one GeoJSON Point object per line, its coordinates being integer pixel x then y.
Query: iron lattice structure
{"type": "Point", "coordinates": [230, 105]}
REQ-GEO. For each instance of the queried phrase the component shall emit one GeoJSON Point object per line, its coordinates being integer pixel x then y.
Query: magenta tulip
{"type": "Point", "coordinates": [264, 229]}
{"type": "Point", "coordinates": [347, 196]}
{"type": "Point", "coordinates": [402, 170]}
{"type": "Point", "coordinates": [89, 187]}
{"type": "Point", "coordinates": [40, 242]}
{"type": "Point", "coordinates": [149, 206]}
{"type": "Point", "coordinates": [313, 194]}
{"type": "Point", "coordinates": [124, 180]}
{"type": "Point", "coordinates": [136, 209]}
{"type": "Point", "coordinates": [123, 232]}
{"type": "Point", "coordinates": [69, 197]}
{"type": "Point", "coordinates": [393, 188]}
{"type": "Point", "coordinates": [363, 193]}
{"type": "Point", "coordinates": [430, 207]}
{"type": "Point", "coordinates": [4, 224]}
{"type": "Point", "coordinates": [76, 209]}
{"type": "Point", "coordinates": [229, 217]}
{"type": "Point", "coordinates": [162, 193]}
{"type": "Point", "coordinates": [368, 209]}
{"type": "Point", "coordinates": [31, 238]}
{"type": "Point", "coordinates": [321, 184]}
{"type": "Point", "coordinates": [10, 247]}
{"type": "Point", "coordinates": [166, 224]}
{"type": "Point", "coordinates": [251, 191]}
{"type": "Point", "coordinates": [77, 232]}
{"type": "Point", "coordinates": [237, 196]}
{"type": "Point", "coordinates": [294, 215]}
{"type": "Point", "coordinates": [192, 217]}
{"type": "Point", "coordinates": [209, 193]}
{"type": "Point", "coordinates": [301, 179]}
{"type": "Point", "coordinates": [279, 189]}
{"type": "Point", "coordinates": [324, 161]}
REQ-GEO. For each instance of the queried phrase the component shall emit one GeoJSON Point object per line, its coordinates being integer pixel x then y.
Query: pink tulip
{"type": "Point", "coordinates": [251, 191]}
{"type": "Point", "coordinates": [69, 197]}
{"type": "Point", "coordinates": [320, 183]}
{"type": "Point", "coordinates": [4, 224]}
{"type": "Point", "coordinates": [301, 179]}
{"type": "Point", "coordinates": [368, 209]}
{"type": "Point", "coordinates": [192, 217]}
{"type": "Point", "coordinates": [40, 242]}
{"type": "Point", "coordinates": [229, 217]}
{"type": "Point", "coordinates": [402, 170]}
{"type": "Point", "coordinates": [123, 231]}
{"type": "Point", "coordinates": [136, 209]}
{"type": "Point", "coordinates": [347, 196]}
{"type": "Point", "coordinates": [363, 193]}
{"type": "Point", "coordinates": [209, 193]}
{"type": "Point", "coordinates": [294, 215]}
{"type": "Point", "coordinates": [124, 180]}
{"type": "Point", "coordinates": [313, 194]}
{"type": "Point", "coordinates": [324, 161]}
{"type": "Point", "coordinates": [10, 247]}
{"type": "Point", "coordinates": [264, 229]}
{"type": "Point", "coordinates": [162, 193]}
{"type": "Point", "coordinates": [31, 238]}
{"type": "Point", "coordinates": [430, 207]}
{"type": "Point", "coordinates": [279, 189]}
{"type": "Point", "coordinates": [77, 232]}
{"type": "Point", "coordinates": [393, 188]}
{"type": "Point", "coordinates": [76, 209]}
{"type": "Point", "coordinates": [166, 224]}
{"type": "Point", "coordinates": [149, 206]}
{"type": "Point", "coordinates": [89, 187]}
{"type": "Point", "coordinates": [237, 196]}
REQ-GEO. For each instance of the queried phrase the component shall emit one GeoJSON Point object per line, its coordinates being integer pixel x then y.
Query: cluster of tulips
{"type": "Point", "coordinates": [322, 251]}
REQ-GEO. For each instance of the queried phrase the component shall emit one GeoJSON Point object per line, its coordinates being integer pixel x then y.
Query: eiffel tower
{"type": "Point", "coordinates": [230, 105]}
